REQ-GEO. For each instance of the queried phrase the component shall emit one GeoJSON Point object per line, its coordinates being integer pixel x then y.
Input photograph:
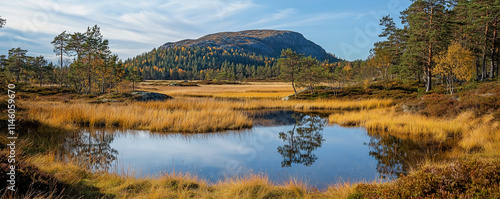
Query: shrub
{"type": "Point", "coordinates": [462, 179]}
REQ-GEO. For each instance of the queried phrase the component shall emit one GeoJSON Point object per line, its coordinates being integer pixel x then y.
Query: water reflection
{"type": "Point", "coordinates": [281, 144]}
{"type": "Point", "coordinates": [397, 156]}
{"type": "Point", "coordinates": [272, 117]}
{"type": "Point", "coordinates": [92, 147]}
{"type": "Point", "coordinates": [305, 137]}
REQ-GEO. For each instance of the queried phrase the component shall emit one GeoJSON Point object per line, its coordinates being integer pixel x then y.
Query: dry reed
{"type": "Point", "coordinates": [473, 130]}
{"type": "Point", "coordinates": [176, 185]}
{"type": "Point", "coordinates": [140, 116]}
{"type": "Point", "coordinates": [177, 115]}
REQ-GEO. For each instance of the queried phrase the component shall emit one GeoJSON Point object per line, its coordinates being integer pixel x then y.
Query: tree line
{"type": "Point", "coordinates": [207, 63]}
{"type": "Point", "coordinates": [308, 72]}
{"type": "Point", "coordinates": [85, 64]}
{"type": "Point", "coordinates": [441, 41]}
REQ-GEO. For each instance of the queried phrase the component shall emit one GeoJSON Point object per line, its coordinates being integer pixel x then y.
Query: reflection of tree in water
{"type": "Point", "coordinates": [397, 156]}
{"type": "Point", "coordinates": [92, 148]}
{"type": "Point", "coordinates": [302, 140]}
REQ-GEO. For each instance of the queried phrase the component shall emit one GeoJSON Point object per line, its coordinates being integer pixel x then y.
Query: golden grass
{"type": "Point", "coordinates": [176, 185]}
{"type": "Point", "coordinates": [412, 125]}
{"type": "Point", "coordinates": [484, 137]}
{"type": "Point", "coordinates": [474, 133]}
{"type": "Point", "coordinates": [177, 115]}
{"type": "Point", "coordinates": [304, 105]}
{"type": "Point", "coordinates": [247, 95]}
{"type": "Point", "coordinates": [260, 90]}
{"type": "Point", "coordinates": [342, 190]}
{"type": "Point", "coordinates": [140, 116]}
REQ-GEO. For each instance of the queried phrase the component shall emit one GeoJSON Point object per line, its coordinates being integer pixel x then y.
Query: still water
{"type": "Point", "coordinates": [281, 145]}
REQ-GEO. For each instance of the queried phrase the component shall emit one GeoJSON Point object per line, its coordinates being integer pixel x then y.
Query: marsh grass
{"type": "Point", "coordinates": [139, 116]}
{"type": "Point", "coordinates": [177, 115]}
{"type": "Point", "coordinates": [412, 125]}
{"type": "Point", "coordinates": [261, 90]}
{"type": "Point", "coordinates": [484, 138]}
{"type": "Point", "coordinates": [174, 185]}
{"type": "Point", "coordinates": [474, 133]}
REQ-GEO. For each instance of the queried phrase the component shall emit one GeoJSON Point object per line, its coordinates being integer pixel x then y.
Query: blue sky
{"type": "Point", "coordinates": [347, 29]}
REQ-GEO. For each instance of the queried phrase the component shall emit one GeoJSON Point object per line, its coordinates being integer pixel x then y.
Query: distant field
{"type": "Point", "coordinates": [261, 90]}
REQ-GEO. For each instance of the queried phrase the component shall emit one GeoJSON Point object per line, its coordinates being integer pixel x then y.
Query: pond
{"type": "Point", "coordinates": [281, 145]}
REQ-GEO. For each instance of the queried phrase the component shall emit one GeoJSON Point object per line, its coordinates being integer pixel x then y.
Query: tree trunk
{"type": "Point", "coordinates": [293, 84]}
{"type": "Point", "coordinates": [62, 48]}
{"type": "Point", "coordinates": [483, 67]}
{"type": "Point", "coordinates": [493, 52]}
{"type": "Point", "coordinates": [429, 61]}
{"type": "Point", "coordinates": [428, 82]}
{"type": "Point", "coordinates": [428, 70]}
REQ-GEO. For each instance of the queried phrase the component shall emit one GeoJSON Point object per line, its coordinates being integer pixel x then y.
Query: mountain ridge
{"type": "Point", "coordinates": [265, 42]}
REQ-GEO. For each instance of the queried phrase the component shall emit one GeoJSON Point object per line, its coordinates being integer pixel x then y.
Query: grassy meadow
{"type": "Point", "coordinates": [215, 108]}
{"type": "Point", "coordinates": [209, 108]}
{"type": "Point", "coordinates": [252, 90]}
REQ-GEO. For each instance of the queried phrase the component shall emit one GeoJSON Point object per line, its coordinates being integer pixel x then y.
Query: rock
{"type": "Point", "coordinates": [411, 108]}
{"type": "Point", "coordinates": [487, 94]}
{"type": "Point", "coordinates": [292, 95]}
{"type": "Point", "coordinates": [107, 100]}
{"type": "Point", "coordinates": [150, 96]}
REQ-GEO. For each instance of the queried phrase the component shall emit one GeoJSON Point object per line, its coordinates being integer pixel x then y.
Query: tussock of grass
{"type": "Point", "coordinates": [484, 137]}
{"type": "Point", "coordinates": [416, 126]}
{"type": "Point", "coordinates": [178, 115]}
{"type": "Point", "coordinates": [173, 185]}
{"type": "Point", "coordinates": [475, 134]}
{"type": "Point", "coordinates": [140, 116]}
{"type": "Point", "coordinates": [341, 190]}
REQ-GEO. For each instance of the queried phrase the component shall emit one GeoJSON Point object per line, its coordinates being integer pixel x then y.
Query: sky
{"type": "Point", "coordinates": [347, 29]}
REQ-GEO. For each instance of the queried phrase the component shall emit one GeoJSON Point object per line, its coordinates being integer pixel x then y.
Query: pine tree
{"type": "Point", "coordinates": [428, 31]}
{"type": "Point", "coordinates": [290, 66]}
{"type": "Point", "coordinates": [311, 73]}
{"type": "Point", "coordinates": [17, 61]}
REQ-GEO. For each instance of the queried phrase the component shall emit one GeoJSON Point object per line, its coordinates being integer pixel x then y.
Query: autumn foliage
{"type": "Point", "coordinates": [457, 63]}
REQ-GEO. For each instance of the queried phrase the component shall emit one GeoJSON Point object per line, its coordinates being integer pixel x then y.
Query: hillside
{"type": "Point", "coordinates": [251, 54]}
{"type": "Point", "coordinates": [268, 43]}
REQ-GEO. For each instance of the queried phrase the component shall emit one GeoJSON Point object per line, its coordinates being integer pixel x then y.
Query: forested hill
{"type": "Point", "coordinates": [241, 55]}
{"type": "Point", "coordinates": [268, 43]}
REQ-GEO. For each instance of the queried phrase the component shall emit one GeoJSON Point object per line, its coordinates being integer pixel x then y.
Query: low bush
{"type": "Point", "coordinates": [463, 179]}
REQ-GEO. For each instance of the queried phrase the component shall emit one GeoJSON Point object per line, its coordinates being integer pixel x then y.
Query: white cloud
{"type": "Point", "coordinates": [136, 26]}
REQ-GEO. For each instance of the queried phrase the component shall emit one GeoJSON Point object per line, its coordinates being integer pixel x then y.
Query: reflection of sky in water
{"type": "Point", "coordinates": [342, 156]}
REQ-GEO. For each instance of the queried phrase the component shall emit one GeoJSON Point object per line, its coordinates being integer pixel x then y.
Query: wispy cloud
{"type": "Point", "coordinates": [312, 19]}
{"type": "Point", "coordinates": [281, 14]}
{"type": "Point", "coordinates": [136, 26]}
